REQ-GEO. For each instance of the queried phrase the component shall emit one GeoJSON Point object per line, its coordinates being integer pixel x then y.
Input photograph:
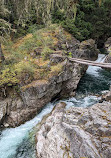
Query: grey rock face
{"type": "Point", "coordinates": [56, 58]}
{"type": "Point", "coordinates": [87, 50]}
{"type": "Point", "coordinates": [19, 107]}
{"type": "Point", "coordinates": [107, 46]}
{"type": "Point", "coordinates": [76, 132]}
{"type": "Point", "coordinates": [68, 45]}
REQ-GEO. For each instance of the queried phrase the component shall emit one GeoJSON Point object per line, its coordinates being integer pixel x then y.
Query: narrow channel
{"type": "Point", "coordinates": [18, 143]}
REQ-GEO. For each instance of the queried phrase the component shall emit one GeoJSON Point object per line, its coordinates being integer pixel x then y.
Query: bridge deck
{"type": "Point", "coordinates": [92, 63]}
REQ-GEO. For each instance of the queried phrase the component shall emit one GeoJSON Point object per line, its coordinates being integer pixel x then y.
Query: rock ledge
{"type": "Point", "coordinates": [76, 132]}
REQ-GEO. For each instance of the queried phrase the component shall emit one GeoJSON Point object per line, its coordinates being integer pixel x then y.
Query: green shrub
{"type": "Point", "coordinates": [8, 77]}
{"type": "Point", "coordinates": [46, 53]}
{"type": "Point", "coordinates": [24, 67]}
{"type": "Point", "coordinates": [70, 55]}
{"type": "Point", "coordinates": [56, 69]}
{"type": "Point", "coordinates": [13, 74]}
{"type": "Point", "coordinates": [28, 45]}
{"type": "Point", "coordinates": [34, 27]}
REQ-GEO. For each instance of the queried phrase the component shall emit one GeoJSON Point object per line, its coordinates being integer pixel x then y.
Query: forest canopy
{"type": "Point", "coordinates": [31, 26]}
{"type": "Point", "coordinates": [84, 19]}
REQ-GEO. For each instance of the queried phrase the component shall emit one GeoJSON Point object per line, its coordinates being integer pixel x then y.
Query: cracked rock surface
{"type": "Point", "coordinates": [76, 132]}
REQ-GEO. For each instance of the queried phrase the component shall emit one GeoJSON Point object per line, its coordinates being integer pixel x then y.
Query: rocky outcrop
{"type": "Point", "coordinates": [20, 106]}
{"type": "Point", "coordinates": [106, 96]}
{"type": "Point", "coordinates": [107, 46]}
{"type": "Point", "coordinates": [69, 45]}
{"type": "Point", "coordinates": [75, 132]}
{"type": "Point", "coordinates": [87, 50]}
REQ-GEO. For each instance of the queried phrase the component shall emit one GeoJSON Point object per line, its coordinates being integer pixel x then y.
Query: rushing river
{"type": "Point", "coordinates": [17, 142]}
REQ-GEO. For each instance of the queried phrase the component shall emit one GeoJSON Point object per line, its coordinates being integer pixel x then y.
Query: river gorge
{"type": "Point", "coordinates": [55, 78]}
{"type": "Point", "coordinates": [19, 142]}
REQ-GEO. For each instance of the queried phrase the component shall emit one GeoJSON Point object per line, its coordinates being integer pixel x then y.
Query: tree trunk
{"type": "Point", "coordinates": [2, 58]}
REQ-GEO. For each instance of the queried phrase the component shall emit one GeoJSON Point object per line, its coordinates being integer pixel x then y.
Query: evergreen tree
{"type": "Point", "coordinates": [4, 27]}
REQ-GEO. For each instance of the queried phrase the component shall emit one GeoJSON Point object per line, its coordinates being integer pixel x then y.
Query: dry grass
{"type": "Point", "coordinates": [20, 41]}
{"type": "Point", "coordinates": [56, 69]}
{"type": "Point", "coordinates": [35, 84]}
{"type": "Point", "coordinates": [41, 62]}
{"type": "Point", "coordinates": [20, 62]}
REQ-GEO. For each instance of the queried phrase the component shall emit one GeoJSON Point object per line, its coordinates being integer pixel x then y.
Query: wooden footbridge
{"type": "Point", "coordinates": [92, 63]}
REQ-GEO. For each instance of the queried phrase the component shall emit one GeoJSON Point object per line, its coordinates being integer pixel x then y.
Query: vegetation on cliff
{"type": "Point", "coordinates": [27, 59]}
{"type": "Point", "coordinates": [25, 53]}
{"type": "Point", "coordinates": [83, 18]}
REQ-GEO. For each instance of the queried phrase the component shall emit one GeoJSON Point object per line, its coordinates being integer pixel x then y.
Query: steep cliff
{"type": "Point", "coordinates": [38, 71]}
{"type": "Point", "coordinates": [19, 107]}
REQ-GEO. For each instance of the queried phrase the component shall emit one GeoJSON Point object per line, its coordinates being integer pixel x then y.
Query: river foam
{"type": "Point", "coordinates": [11, 139]}
{"type": "Point", "coordinates": [94, 70]}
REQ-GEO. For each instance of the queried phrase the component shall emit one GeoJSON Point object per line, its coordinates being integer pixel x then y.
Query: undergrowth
{"type": "Point", "coordinates": [27, 59]}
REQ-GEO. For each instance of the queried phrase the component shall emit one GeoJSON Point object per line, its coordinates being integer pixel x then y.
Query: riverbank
{"type": "Point", "coordinates": [41, 74]}
{"type": "Point", "coordinates": [76, 132]}
{"type": "Point", "coordinates": [13, 139]}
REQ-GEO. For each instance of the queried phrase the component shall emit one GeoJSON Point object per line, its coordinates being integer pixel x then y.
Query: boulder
{"type": "Point", "coordinates": [87, 50]}
{"type": "Point", "coordinates": [56, 58]}
{"type": "Point", "coordinates": [75, 132]}
{"type": "Point", "coordinates": [68, 45]}
{"type": "Point", "coordinates": [108, 58]}
{"type": "Point", "coordinates": [106, 96]}
{"type": "Point", "coordinates": [107, 46]}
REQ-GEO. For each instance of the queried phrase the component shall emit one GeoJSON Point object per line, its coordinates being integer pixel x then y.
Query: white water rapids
{"type": "Point", "coordinates": [11, 138]}
{"type": "Point", "coordinates": [93, 70]}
